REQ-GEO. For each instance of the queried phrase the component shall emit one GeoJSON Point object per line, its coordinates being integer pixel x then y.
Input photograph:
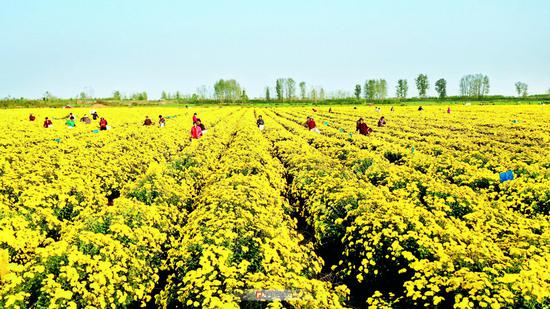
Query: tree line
{"type": "Point", "coordinates": [288, 90]}
{"type": "Point", "coordinates": [472, 85]}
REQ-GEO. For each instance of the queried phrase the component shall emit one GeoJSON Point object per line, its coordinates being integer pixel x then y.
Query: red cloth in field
{"type": "Point", "coordinates": [311, 124]}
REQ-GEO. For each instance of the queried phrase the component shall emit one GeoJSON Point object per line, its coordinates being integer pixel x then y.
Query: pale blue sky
{"type": "Point", "coordinates": [68, 46]}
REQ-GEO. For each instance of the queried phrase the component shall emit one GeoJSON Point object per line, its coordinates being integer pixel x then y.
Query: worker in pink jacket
{"type": "Point", "coordinates": [196, 131]}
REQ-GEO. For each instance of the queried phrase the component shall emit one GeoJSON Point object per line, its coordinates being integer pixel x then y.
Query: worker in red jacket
{"type": "Point", "coordinates": [147, 121]}
{"type": "Point", "coordinates": [102, 124]}
{"type": "Point", "coordinates": [311, 125]}
{"type": "Point", "coordinates": [362, 127]}
{"type": "Point", "coordinates": [47, 123]}
{"type": "Point", "coordinates": [32, 117]}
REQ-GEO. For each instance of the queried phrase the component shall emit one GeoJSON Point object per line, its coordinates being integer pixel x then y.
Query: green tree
{"type": "Point", "coordinates": [357, 91]}
{"type": "Point", "coordinates": [244, 97]}
{"type": "Point", "coordinates": [441, 88]}
{"type": "Point", "coordinates": [370, 89]}
{"type": "Point", "coordinates": [267, 94]}
{"type": "Point", "coordinates": [422, 85]}
{"type": "Point", "coordinates": [313, 95]}
{"type": "Point", "coordinates": [290, 89]}
{"type": "Point", "coordinates": [164, 95]}
{"type": "Point", "coordinates": [380, 89]}
{"type": "Point", "coordinates": [322, 94]}
{"type": "Point", "coordinates": [521, 89]}
{"type": "Point", "coordinates": [227, 90]}
{"type": "Point", "coordinates": [401, 89]}
{"type": "Point", "coordinates": [474, 85]}
{"type": "Point", "coordinates": [279, 85]}
{"type": "Point", "coordinates": [117, 96]}
{"type": "Point", "coordinates": [303, 94]}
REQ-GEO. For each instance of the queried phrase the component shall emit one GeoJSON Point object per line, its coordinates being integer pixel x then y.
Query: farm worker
{"type": "Point", "coordinates": [310, 124]}
{"type": "Point", "coordinates": [448, 110]}
{"type": "Point", "coordinates": [420, 108]}
{"type": "Point", "coordinates": [162, 121]}
{"type": "Point", "coordinates": [201, 125]}
{"type": "Point", "coordinates": [330, 109]}
{"type": "Point", "coordinates": [196, 131]}
{"type": "Point", "coordinates": [86, 119]}
{"type": "Point", "coordinates": [362, 127]}
{"type": "Point", "coordinates": [31, 117]}
{"type": "Point", "coordinates": [391, 109]}
{"type": "Point", "coordinates": [95, 115]}
{"type": "Point", "coordinates": [70, 123]}
{"type": "Point", "coordinates": [381, 122]}
{"type": "Point", "coordinates": [260, 123]}
{"type": "Point", "coordinates": [147, 121]}
{"type": "Point", "coordinates": [47, 123]}
{"type": "Point", "coordinates": [102, 124]}
{"type": "Point", "coordinates": [195, 117]}
{"type": "Point", "coordinates": [71, 116]}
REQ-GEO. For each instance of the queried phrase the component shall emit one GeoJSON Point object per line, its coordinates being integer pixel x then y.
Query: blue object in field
{"type": "Point", "coordinates": [57, 140]}
{"type": "Point", "coordinates": [341, 130]}
{"type": "Point", "coordinates": [412, 149]}
{"type": "Point", "coordinates": [350, 135]}
{"type": "Point", "coordinates": [95, 131]}
{"type": "Point", "coordinates": [514, 121]}
{"type": "Point", "coordinates": [326, 123]}
{"type": "Point", "coordinates": [509, 175]}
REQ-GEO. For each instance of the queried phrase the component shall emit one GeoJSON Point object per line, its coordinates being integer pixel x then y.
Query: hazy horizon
{"type": "Point", "coordinates": [66, 47]}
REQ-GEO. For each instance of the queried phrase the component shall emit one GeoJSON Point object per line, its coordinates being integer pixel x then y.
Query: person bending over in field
{"type": "Point", "coordinates": [362, 127]}
{"type": "Point", "coordinates": [162, 121]}
{"type": "Point", "coordinates": [311, 125]}
{"type": "Point", "coordinates": [420, 108]}
{"type": "Point", "coordinates": [31, 117]}
{"type": "Point", "coordinates": [86, 119]}
{"type": "Point", "coordinates": [196, 131]}
{"type": "Point", "coordinates": [95, 116]}
{"type": "Point", "coordinates": [102, 124]}
{"type": "Point", "coordinates": [71, 116]}
{"type": "Point", "coordinates": [201, 125]}
{"type": "Point", "coordinates": [195, 117]}
{"type": "Point", "coordinates": [47, 123]}
{"type": "Point", "coordinates": [147, 121]}
{"type": "Point", "coordinates": [381, 122]}
{"type": "Point", "coordinates": [260, 123]}
{"type": "Point", "coordinates": [448, 110]}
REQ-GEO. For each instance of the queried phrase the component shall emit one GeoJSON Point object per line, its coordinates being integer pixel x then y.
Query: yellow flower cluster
{"type": "Point", "coordinates": [75, 228]}
{"type": "Point", "coordinates": [413, 215]}
{"type": "Point", "coordinates": [430, 225]}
